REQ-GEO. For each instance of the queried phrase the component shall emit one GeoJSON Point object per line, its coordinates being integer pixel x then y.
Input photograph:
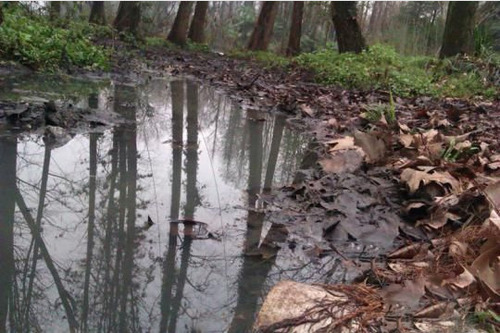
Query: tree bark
{"type": "Point", "coordinates": [197, 28]}
{"type": "Point", "coordinates": [349, 37]}
{"type": "Point", "coordinates": [178, 33]}
{"type": "Point", "coordinates": [128, 17]}
{"type": "Point", "coordinates": [263, 29]}
{"type": "Point", "coordinates": [97, 14]}
{"type": "Point", "coordinates": [295, 29]}
{"type": "Point", "coordinates": [458, 37]}
{"type": "Point", "coordinates": [55, 10]}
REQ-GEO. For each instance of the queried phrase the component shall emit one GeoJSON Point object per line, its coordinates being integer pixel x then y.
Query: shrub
{"type": "Point", "coordinates": [34, 42]}
{"type": "Point", "coordinates": [381, 67]}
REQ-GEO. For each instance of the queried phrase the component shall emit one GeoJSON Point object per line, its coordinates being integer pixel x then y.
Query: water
{"type": "Point", "coordinates": [76, 250]}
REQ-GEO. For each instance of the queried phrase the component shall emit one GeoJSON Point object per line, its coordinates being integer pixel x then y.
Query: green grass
{"type": "Point", "coordinates": [381, 67]}
{"type": "Point", "coordinates": [33, 41]}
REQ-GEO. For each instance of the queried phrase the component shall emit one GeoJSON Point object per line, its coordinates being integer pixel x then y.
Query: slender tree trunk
{"type": "Point", "coordinates": [179, 31]}
{"type": "Point", "coordinates": [55, 10]}
{"type": "Point", "coordinates": [1, 12]}
{"type": "Point", "coordinates": [458, 37]}
{"type": "Point", "coordinates": [197, 28]}
{"type": "Point", "coordinates": [128, 17]}
{"type": "Point", "coordinates": [295, 29]}
{"type": "Point", "coordinates": [8, 151]}
{"type": "Point", "coordinates": [97, 14]}
{"type": "Point", "coordinates": [349, 37]}
{"type": "Point", "coordinates": [263, 29]}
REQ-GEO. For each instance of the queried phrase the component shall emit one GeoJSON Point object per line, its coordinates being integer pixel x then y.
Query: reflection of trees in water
{"type": "Point", "coordinates": [107, 282]}
{"type": "Point", "coordinates": [225, 131]}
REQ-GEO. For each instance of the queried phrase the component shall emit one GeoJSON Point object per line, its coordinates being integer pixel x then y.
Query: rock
{"type": "Point", "coordinates": [297, 307]}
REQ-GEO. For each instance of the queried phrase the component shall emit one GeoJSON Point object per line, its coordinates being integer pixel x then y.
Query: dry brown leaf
{"type": "Point", "coordinates": [433, 326]}
{"type": "Point", "coordinates": [409, 251]}
{"type": "Point", "coordinates": [343, 161]}
{"type": "Point", "coordinates": [307, 110]}
{"type": "Point", "coordinates": [406, 140]}
{"type": "Point", "coordinates": [413, 178]}
{"type": "Point", "coordinates": [492, 192]}
{"type": "Point", "coordinates": [462, 280]}
{"type": "Point", "coordinates": [347, 142]}
{"type": "Point", "coordinates": [404, 127]}
{"type": "Point", "coordinates": [438, 219]}
{"type": "Point", "coordinates": [441, 310]}
{"type": "Point", "coordinates": [407, 295]}
{"type": "Point", "coordinates": [486, 268]}
{"type": "Point", "coordinates": [373, 147]}
{"type": "Point", "coordinates": [458, 249]}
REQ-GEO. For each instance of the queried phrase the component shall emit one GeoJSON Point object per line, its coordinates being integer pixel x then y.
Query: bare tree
{"type": "Point", "coordinates": [295, 29]}
{"type": "Point", "coordinates": [263, 29]}
{"type": "Point", "coordinates": [197, 28]}
{"type": "Point", "coordinates": [128, 16]}
{"type": "Point", "coordinates": [178, 33]}
{"type": "Point", "coordinates": [97, 14]}
{"type": "Point", "coordinates": [349, 37]}
{"type": "Point", "coordinates": [458, 34]}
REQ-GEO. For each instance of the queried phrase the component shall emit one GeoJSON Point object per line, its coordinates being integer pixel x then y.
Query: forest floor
{"type": "Point", "coordinates": [405, 191]}
{"type": "Point", "coordinates": [418, 178]}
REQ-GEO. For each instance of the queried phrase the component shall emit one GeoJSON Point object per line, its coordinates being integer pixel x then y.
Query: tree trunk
{"type": "Point", "coordinates": [295, 29]}
{"type": "Point", "coordinates": [197, 28]}
{"type": "Point", "coordinates": [178, 33]}
{"type": "Point", "coordinates": [128, 17]}
{"type": "Point", "coordinates": [458, 37]}
{"type": "Point", "coordinates": [1, 12]}
{"type": "Point", "coordinates": [349, 37]}
{"type": "Point", "coordinates": [263, 29]}
{"type": "Point", "coordinates": [55, 10]}
{"type": "Point", "coordinates": [97, 14]}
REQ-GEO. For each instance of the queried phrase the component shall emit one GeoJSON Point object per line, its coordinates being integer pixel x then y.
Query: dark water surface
{"type": "Point", "coordinates": [75, 248]}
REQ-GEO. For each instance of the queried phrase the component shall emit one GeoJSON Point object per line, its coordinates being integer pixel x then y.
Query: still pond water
{"type": "Point", "coordinates": [187, 154]}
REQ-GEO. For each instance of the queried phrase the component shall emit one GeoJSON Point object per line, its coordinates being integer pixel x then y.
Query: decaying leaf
{"type": "Point", "coordinates": [406, 295]}
{"type": "Point", "coordinates": [343, 161]}
{"type": "Point", "coordinates": [433, 326]}
{"type": "Point", "coordinates": [307, 110]}
{"type": "Point", "coordinates": [462, 280]}
{"type": "Point", "coordinates": [410, 251]}
{"type": "Point", "coordinates": [492, 192]}
{"type": "Point", "coordinates": [458, 249]}
{"type": "Point", "coordinates": [414, 178]}
{"type": "Point", "coordinates": [441, 310]}
{"type": "Point", "coordinates": [486, 268]}
{"type": "Point", "coordinates": [347, 142]}
{"type": "Point", "coordinates": [373, 146]}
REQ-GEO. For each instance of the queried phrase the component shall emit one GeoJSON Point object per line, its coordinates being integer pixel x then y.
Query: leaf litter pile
{"type": "Point", "coordinates": [405, 191]}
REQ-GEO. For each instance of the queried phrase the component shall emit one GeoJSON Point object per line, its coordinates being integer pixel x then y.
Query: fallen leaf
{"type": "Point", "coordinates": [492, 192]}
{"type": "Point", "coordinates": [462, 280]}
{"type": "Point", "coordinates": [432, 326]}
{"type": "Point", "coordinates": [407, 295]}
{"type": "Point", "coordinates": [458, 249]}
{"type": "Point", "coordinates": [373, 147]}
{"type": "Point", "coordinates": [343, 161]}
{"type": "Point", "coordinates": [306, 109]}
{"type": "Point", "coordinates": [486, 268]}
{"type": "Point", "coordinates": [409, 251]}
{"type": "Point", "coordinates": [414, 178]}
{"type": "Point", "coordinates": [346, 142]}
{"type": "Point", "coordinates": [441, 310]}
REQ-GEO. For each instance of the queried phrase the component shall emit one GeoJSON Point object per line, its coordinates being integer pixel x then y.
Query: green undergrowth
{"type": "Point", "coordinates": [268, 59]}
{"type": "Point", "coordinates": [35, 42]}
{"type": "Point", "coordinates": [381, 67]}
